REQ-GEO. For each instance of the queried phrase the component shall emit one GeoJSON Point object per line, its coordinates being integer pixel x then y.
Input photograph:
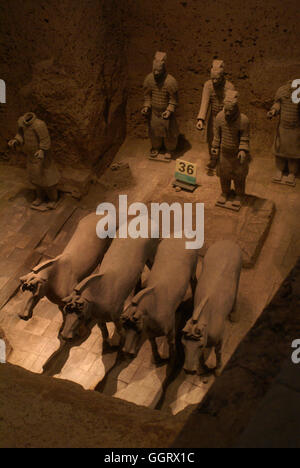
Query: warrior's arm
{"type": "Point", "coordinates": [204, 102]}
{"type": "Point", "coordinates": [216, 144]}
{"type": "Point", "coordinates": [147, 93]}
{"type": "Point", "coordinates": [19, 137]}
{"type": "Point", "coordinates": [173, 96]}
{"type": "Point", "coordinates": [245, 134]}
{"type": "Point", "coordinates": [44, 137]}
{"type": "Point", "coordinates": [277, 104]}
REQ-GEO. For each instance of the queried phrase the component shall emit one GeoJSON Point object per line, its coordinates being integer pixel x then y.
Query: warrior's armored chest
{"type": "Point", "coordinates": [231, 134]}
{"type": "Point", "coordinates": [217, 100]}
{"type": "Point", "coordinates": [31, 141]}
{"type": "Point", "coordinates": [290, 112]}
{"type": "Point", "coordinates": [160, 96]}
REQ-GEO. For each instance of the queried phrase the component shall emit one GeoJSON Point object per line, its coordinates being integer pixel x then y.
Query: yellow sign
{"type": "Point", "coordinates": [186, 172]}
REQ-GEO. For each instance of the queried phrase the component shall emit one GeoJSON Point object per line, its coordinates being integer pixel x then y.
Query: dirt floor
{"type": "Point", "coordinates": [58, 414]}
{"type": "Point", "coordinates": [31, 236]}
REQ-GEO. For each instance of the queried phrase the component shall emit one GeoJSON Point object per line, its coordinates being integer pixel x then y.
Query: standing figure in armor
{"type": "Point", "coordinates": [212, 103]}
{"type": "Point", "coordinates": [231, 144]}
{"type": "Point", "coordinates": [161, 100]}
{"type": "Point", "coordinates": [33, 139]}
{"type": "Point", "coordinates": [287, 140]}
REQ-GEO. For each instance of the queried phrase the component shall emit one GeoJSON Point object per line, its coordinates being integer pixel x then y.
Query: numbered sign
{"type": "Point", "coordinates": [186, 172]}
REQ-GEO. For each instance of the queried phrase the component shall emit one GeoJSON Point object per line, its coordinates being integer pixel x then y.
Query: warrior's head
{"type": "Point", "coordinates": [159, 65]}
{"type": "Point", "coordinates": [217, 73]}
{"type": "Point", "coordinates": [231, 105]}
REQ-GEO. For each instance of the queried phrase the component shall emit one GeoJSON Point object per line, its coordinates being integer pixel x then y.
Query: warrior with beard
{"type": "Point", "coordinates": [161, 100]}
{"type": "Point", "coordinates": [231, 144]}
{"type": "Point", "coordinates": [212, 103]}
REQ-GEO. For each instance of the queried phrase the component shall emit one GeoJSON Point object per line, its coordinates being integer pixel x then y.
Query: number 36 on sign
{"type": "Point", "coordinates": [186, 172]}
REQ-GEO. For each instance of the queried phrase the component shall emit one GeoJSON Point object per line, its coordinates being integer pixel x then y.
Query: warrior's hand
{"type": "Point", "coordinates": [166, 115]}
{"type": "Point", "coordinates": [12, 144]}
{"type": "Point", "coordinates": [146, 111]}
{"type": "Point", "coordinates": [39, 155]}
{"type": "Point", "coordinates": [200, 124]}
{"type": "Point", "coordinates": [214, 152]}
{"type": "Point", "coordinates": [242, 157]}
{"type": "Point", "coordinates": [272, 113]}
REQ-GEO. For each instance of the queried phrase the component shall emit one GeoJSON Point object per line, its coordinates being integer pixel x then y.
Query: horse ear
{"type": "Point", "coordinates": [67, 299]}
{"type": "Point", "coordinates": [199, 309]}
{"type": "Point", "coordinates": [27, 278]}
{"type": "Point", "coordinates": [87, 281]}
{"type": "Point", "coordinates": [186, 329]}
{"type": "Point", "coordinates": [137, 299]}
{"type": "Point", "coordinates": [38, 289]}
{"type": "Point", "coordinates": [44, 265]}
{"type": "Point", "coordinates": [126, 308]}
{"type": "Point", "coordinates": [23, 279]}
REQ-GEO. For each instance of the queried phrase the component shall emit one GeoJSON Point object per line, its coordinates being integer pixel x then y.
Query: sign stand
{"type": "Point", "coordinates": [283, 182]}
{"type": "Point", "coordinates": [185, 175]}
{"type": "Point", "coordinates": [229, 203]}
{"type": "Point", "coordinates": [161, 158]}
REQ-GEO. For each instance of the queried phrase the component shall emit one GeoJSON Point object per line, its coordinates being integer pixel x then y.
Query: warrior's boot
{"type": "Point", "coordinates": [212, 163]}
{"type": "Point", "coordinates": [223, 198]}
{"type": "Point", "coordinates": [237, 202]}
{"type": "Point", "coordinates": [154, 153]}
{"type": "Point", "coordinates": [171, 143]}
{"type": "Point", "coordinates": [240, 187]}
{"type": "Point", "coordinates": [52, 194]}
{"type": "Point", "coordinates": [226, 186]}
{"type": "Point", "coordinates": [281, 165]}
{"type": "Point", "coordinates": [293, 169]}
{"type": "Point", "coordinates": [40, 197]}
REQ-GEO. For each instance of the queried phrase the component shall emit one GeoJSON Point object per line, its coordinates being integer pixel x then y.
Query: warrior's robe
{"type": "Point", "coordinates": [231, 137]}
{"type": "Point", "coordinates": [287, 140]}
{"type": "Point", "coordinates": [211, 104]}
{"type": "Point", "coordinates": [160, 97]}
{"type": "Point", "coordinates": [33, 136]}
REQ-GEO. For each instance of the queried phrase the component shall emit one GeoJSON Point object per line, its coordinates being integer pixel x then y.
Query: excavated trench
{"type": "Point", "coordinates": [56, 65]}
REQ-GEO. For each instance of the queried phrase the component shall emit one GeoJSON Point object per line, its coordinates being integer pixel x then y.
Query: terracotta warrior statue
{"type": "Point", "coordinates": [34, 140]}
{"type": "Point", "coordinates": [231, 145]}
{"type": "Point", "coordinates": [161, 100]}
{"type": "Point", "coordinates": [287, 141]}
{"type": "Point", "coordinates": [212, 103]}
